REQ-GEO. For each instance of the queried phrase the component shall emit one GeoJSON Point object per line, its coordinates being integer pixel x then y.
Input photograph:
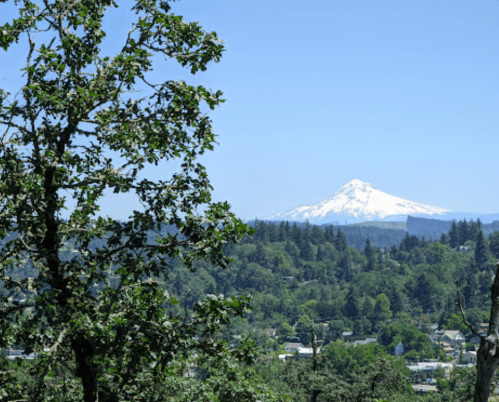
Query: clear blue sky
{"type": "Point", "coordinates": [400, 94]}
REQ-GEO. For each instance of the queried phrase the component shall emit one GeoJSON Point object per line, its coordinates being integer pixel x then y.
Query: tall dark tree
{"type": "Point", "coordinates": [297, 235]}
{"type": "Point", "coordinates": [454, 238]}
{"type": "Point", "coordinates": [370, 254]}
{"type": "Point", "coordinates": [307, 233]}
{"type": "Point", "coordinates": [345, 270]}
{"type": "Point", "coordinates": [317, 235]}
{"type": "Point", "coordinates": [74, 131]}
{"type": "Point", "coordinates": [271, 232]}
{"type": "Point", "coordinates": [494, 244]}
{"type": "Point", "coordinates": [470, 287]}
{"type": "Point", "coordinates": [393, 252]}
{"type": "Point", "coordinates": [444, 239]}
{"type": "Point", "coordinates": [282, 234]}
{"type": "Point", "coordinates": [479, 224]}
{"type": "Point", "coordinates": [367, 313]}
{"type": "Point", "coordinates": [481, 250]}
{"type": "Point", "coordinates": [423, 290]}
{"type": "Point", "coordinates": [352, 303]}
{"type": "Point", "coordinates": [464, 232]}
{"type": "Point", "coordinates": [307, 251]}
{"type": "Point", "coordinates": [397, 301]}
{"type": "Point", "coordinates": [329, 233]}
{"type": "Point", "coordinates": [340, 241]}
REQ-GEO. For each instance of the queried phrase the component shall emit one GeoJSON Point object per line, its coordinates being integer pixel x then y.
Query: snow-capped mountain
{"type": "Point", "coordinates": [359, 202]}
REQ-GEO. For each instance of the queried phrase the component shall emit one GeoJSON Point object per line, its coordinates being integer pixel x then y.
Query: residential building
{"type": "Point", "coordinates": [292, 347]}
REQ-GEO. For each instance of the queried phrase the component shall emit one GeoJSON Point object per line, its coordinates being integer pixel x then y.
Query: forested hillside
{"type": "Point", "coordinates": [434, 228]}
{"type": "Point", "coordinates": [301, 275]}
{"type": "Point", "coordinates": [298, 276]}
{"type": "Point", "coordinates": [386, 234]}
{"type": "Point", "coordinates": [355, 235]}
{"type": "Point", "coordinates": [293, 272]}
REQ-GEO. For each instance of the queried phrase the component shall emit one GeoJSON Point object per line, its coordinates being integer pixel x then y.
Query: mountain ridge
{"type": "Point", "coordinates": [357, 202]}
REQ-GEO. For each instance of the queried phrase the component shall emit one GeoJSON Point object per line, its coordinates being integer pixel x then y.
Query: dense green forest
{"type": "Point", "coordinates": [434, 228]}
{"type": "Point", "coordinates": [387, 234]}
{"type": "Point", "coordinates": [293, 271]}
{"type": "Point", "coordinates": [301, 277]}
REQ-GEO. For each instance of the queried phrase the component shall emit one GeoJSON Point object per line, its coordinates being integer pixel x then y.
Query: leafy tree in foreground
{"type": "Point", "coordinates": [74, 131]}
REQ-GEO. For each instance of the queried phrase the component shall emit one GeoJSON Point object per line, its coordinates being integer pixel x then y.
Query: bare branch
{"type": "Point", "coordinates": [460, 305]}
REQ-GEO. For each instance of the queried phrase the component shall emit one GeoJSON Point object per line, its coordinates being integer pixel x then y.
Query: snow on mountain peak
{"type": "Point", "coordinates": [358, 201]}
{"type": "Point", "coordinates": [357, 184]}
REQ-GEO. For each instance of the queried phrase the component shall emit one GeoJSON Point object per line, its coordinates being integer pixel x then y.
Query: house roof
{"type": "Point", "coordinates": [424, 388]}
{"type": "Point", "coordinates": [365, 341]}
{"type": "Point", "coordinates": [429, 366]}
{"type": "Point", "coordinates": [453, 334]}
{"type": "Point", "coordinates": [285, 355]}
{"type": "Point", "coordinates": [293, 345]}
{"type": "Point", "coordinates": [270, 331]}
{"type": "Point", "coordinates": [308, 351]}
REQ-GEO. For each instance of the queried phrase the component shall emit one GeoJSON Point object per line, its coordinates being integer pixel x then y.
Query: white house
{"type": "Point", "coordinates": [427, 369]}
{"type": "Point", "coordinates": [307, 352]}
{"type": "Point", "coordinates": [469, 357]}
{"type": "Point", "coordinates": [292, 347]}
{"type": "Point", "coordinates": [453, 338]}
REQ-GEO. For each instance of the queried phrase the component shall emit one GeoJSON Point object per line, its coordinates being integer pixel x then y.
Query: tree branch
{"type": "Point", "coordinates": [460, 305]}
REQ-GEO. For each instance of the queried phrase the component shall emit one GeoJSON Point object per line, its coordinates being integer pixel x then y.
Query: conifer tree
{"type": "Point", "coordinates": [307, 251]}
{"type": "Point", "coordinates": [494, 244]}
{"type": "Point", "coordinates": [329, 233]}
{"type": "Point", "coordinates": [340, 241]}
{"type": "Point", "coordinates": [317, 236]}
{"type": "Point", "coordinates": [454, 238]}
{"type": "Point", "coordinates": [282, 233]}
{"type": "Point", "coordinates": [464, 232]}
{"type": "Point", "coordinates": [481, 251]}
{"type": "Point", "coordinates": [369, 252]}
{"type": "Point", "coordinates": [352, 304]}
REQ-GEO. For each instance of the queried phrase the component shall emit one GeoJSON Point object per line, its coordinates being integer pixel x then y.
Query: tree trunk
{"type": "Point", "coordinates": [487, 362]}
{"type": "Point", "coordinates": [315, 364]}
{"type": "Point", "coordinates": [487, 355]}
{"type": "Point", "coordinates": [86, 368]}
